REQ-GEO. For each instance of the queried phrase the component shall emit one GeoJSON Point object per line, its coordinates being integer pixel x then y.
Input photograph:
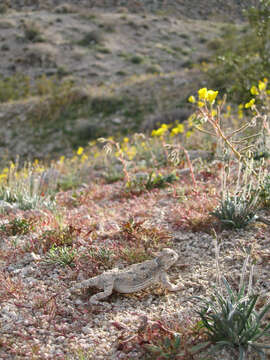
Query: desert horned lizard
{"type": "Point", "coordinates": [133, 278]}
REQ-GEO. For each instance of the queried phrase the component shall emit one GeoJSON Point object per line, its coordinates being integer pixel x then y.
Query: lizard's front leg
{"type": "Point", "coordinates": [108, 288]}
{"type": "Point", "coordinates": [164, 279]}
{"type": "Point", "coordinates": [83, 284]}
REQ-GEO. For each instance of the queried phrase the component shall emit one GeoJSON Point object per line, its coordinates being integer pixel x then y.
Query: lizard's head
{"type": "Point", "coordinates": [166, 258]}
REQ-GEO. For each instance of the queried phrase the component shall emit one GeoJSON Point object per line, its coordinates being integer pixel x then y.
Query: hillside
{"type": "Point", "coordinates": [129, 69]}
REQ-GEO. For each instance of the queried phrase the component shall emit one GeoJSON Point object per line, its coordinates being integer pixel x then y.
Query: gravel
{"type": "Point", "coordinates": [44, 321]}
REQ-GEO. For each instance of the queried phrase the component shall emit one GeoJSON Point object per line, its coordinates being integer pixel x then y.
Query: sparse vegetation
{"type": "Point", "coordinates": [95, 37]}
{"type": "Point", "coordinates": [231, 320]}
{"type": "Point", "coordinates": [32, 31]}
{"type": "Point", "coordinates": [75, 205]}
{"type": "Point", "coordinates": [17, 226]}
{"type": "Point", "coordinates": [61, 255]}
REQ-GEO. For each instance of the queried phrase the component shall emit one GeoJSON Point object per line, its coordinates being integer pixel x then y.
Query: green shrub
{"type": "Point", "coordinates": [150, 181]}
{"type": "Point", "coordinates": [231, 320]}
{"type": "Point", "coordinates": [136, 59]}
{"type": "Point", "coordinates": [95, 37]}
{"type": "Point", "coordinates": [14, 87]}
{"type": "Point", "coordinates": [32, 32]}
{"type": "Point", "coordinates": [243, 56]}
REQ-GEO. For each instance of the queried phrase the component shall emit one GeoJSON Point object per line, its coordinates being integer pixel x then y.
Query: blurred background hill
{"type": "Point", "coordinates": [72, 71]}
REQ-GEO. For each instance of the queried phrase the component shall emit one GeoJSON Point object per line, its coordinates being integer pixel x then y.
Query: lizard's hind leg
{"type": "Point", "coordinates": [108, 288]}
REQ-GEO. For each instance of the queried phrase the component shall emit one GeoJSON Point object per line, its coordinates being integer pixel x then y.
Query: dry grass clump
{"type": "Point", "coordinates": [32, 31]}
{"type": "Point", "coordinates": [41, 55]}
{"type": "Point", "coordinates": [7, 23]}
{"type": "Point", "coordinates": [64, 9]}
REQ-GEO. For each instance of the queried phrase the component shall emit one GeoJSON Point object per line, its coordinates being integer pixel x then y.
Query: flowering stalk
{"type": "Point", "coordinates": [108, 149]}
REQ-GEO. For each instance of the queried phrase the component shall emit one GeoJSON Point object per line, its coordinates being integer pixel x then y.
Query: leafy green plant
{"type": "Point", "coordinates": [61, 255]}
{"type": "Point", "coordinates": [151, 181]}
{"type": "Point", "coordinates": [236, 211]}
{"type": "Point", "coordinates": [159, 181]}
{"type": "Point", "coordinates": [265, 191]}
{"type": "Point", "coordinates": [168, 349]}
{"type": "Point", "coordinates": [243, 56]}
{"type": "Point", "coordinates": [58, 237]}
{"type": "Point", "coordinates": [173, 349]}
{"type": "Point", "coordinates": [231, 320]}
{"type": "Point", "coordinates": [17, 226]}
{"type": "Point", "coordinates": [14, 87]}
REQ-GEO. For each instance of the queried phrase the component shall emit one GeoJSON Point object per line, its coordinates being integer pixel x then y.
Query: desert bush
{"type": "Point", "coordinates": [95, 37]}
{"type": "Point", "coordinates": [241, 188]}
{"type": "Point", "coordinates": [242, 57]}
{"type": "Point", "coordinates": [14, 87]}
{"type": "Point", "coordinates": [64, 9]}
{"type": "Point", "coordinates": [137, 59]}
{"type": "Point", "coordinates": [19, 86]}
{"type": "Point", "coordinates": [3, 8]}
{"type": "Point", "coordinates": [32, 32]}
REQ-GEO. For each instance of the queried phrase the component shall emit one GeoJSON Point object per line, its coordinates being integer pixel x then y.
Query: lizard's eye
{"type": "Point", "coordinates": [172, 255]}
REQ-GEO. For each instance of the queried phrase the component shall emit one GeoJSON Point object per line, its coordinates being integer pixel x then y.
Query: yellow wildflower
{"type": "Point", "coordinates": [211, 96]}
{"type": "Point", "coordinates": [190, 120]}
{"type": "Point", "coordinates": [202, 93]}
{"type": "Point", "coordinates": [126, 139]}
{"type": "Point", "coordinates": [262, 85]}
{"type": "Point", "coordinates": [84, 158]}
{"type": "Point", "coordinates": [192, 99]}
{"type": "Point", "coordinates": [250, 103]}
{"type": "Point", "coordinates": [254, 90]}
{"type": "Point", "coordinates": [159, 132]}
{"type": "Point", "coordinates": [80, 150]}
{"type": "Point", "coordinates": [3, 176]}
{"type": "Point", "coordinates": [62, 159]}
{"type": "Point", "coordinates": [240, 114]}
{"type": "Point", "coordinates": [174, 131]}
{"type": "Point", "coordinates": [180, 128]}
{"type": "Point", "coordinates": [214, 113]}
{"type": "Point", "coordinates": [200, 104]}
{"type": "Point", "coordinates": [188, 134]}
